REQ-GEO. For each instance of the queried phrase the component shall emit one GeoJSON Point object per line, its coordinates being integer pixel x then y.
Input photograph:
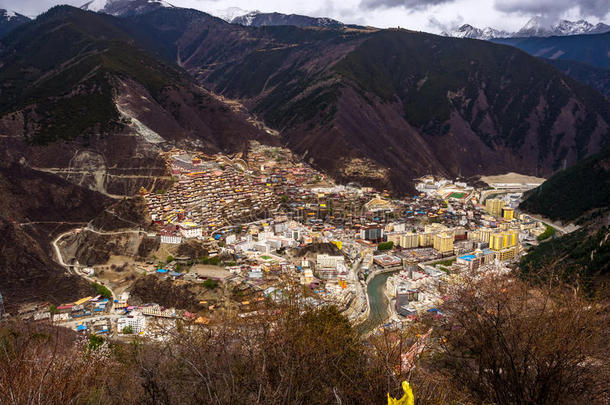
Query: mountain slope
{"type": "Point", "coordinates": [34, 207]}
{"type": "Point", "coordinates": [258, 19]}
{"type": "Point", "coordinates": [598, 78]}
{"type": "Point", "coordinates": [581, 190]}
{"type": "Point", "coordinates": [124, 7]}
{"type": "Point", "coordinates": [579, 194]}
{"type": "Point", "coordinates": [85, 113]}
{"type": "Point", "coordinates": [77, 91]}
{"type": "Point", "coordinates": [591, 49]}
{"type": "Point", "coordinates": [10, 20]}
{"type": "Point", "coordinates": [360, 119]}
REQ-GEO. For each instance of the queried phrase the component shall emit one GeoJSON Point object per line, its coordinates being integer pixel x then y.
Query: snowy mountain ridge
{"type": "Point", "coordinates": [124, 7]}
{"type": "Point", "coordinates": [535, 27]}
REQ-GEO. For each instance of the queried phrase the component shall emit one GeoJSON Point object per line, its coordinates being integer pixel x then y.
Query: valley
{"type": "Point", "coordinates": [281, 208]}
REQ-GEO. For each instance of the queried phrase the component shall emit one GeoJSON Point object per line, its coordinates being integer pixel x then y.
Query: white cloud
{"type": "Point", "coordinates": [422, 15]}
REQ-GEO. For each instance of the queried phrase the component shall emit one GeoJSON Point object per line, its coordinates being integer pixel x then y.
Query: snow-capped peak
{"type": "Point", "coordinates": [228, 14]}
{"type": "Point", "coordinates": [468, 31]}
{"type": "Point", "coordinates": [535, 27]}
{"type": "Point", "coordinates": [124, 7]}
{"type": "Point", "coordinates": [8, 14]}
{"type": "Point", "coordinates": [95, 5]}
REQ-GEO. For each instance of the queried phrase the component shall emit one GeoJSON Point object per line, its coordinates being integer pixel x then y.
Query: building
{"type": "Point", "coordinates": [387, 261]}
{"type": "Point", "coordinates": [190, 230]}
{"type": "Point", "coordinates": [378, 204]}
{"type": "Point", "coordinates": [426, 239]}
{"type": "Point", "coordinates": [324, 261]}
{"type": "Point", "coordinates": [404, 296]}
{"type": "Point", "coordinates": [443, 242]}
{"type": "Point", "coordinates": [477, 258]}
{"type": "Point", "coordinates": [508, 253]}
{"type": "Point", "coordinates": [481, 235]}
{"type": "Point", "coordinates": [394, 238]}
{"type": "Point", "coordinates": [307, 277]}
{"type": "Point", "coordinates": [409, 241]}
{"type": "Point", "coordinates": [135, 321]}
{"type": "Point", "coordinates": [171, 236]}
{"type": "Point", "coordinates": [494, 206]}
{"type": "Point", "coordinates": [502, 240]}
{"type": "Point", "coordinates": [508, 213]}
{"type": "Point", "coordinates": [372, 233]}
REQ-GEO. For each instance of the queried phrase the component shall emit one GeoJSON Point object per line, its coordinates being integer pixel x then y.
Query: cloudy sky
{"type": "Point", "coordinates": [424, 15]}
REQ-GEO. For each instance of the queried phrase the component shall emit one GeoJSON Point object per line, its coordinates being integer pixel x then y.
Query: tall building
{"type": "Point", "coordinates": [502, 240]}
{"type": "Point", "coordinates": [513, 237]}
{"type": "Point", "coordinates": [426, 239]}
{"type": "Point", "coordinates": [481, 235]}
{"type": "Point", "coordinates": [394, 237]}
{"type": "Point", "coordinates": [372, 233]}
{"type": "Point", "coordinates": [443, 242]}
{"type": "Point", "coordinates": [409, 241]}
{"type": "Point", "coordinates": [494, 206]}
{"type": "Point", "coordinates": [496, 241]}
{"type": "Point", "coordinates": [508, 213]}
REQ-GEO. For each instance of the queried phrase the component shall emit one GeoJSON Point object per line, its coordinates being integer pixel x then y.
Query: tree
{"type": "Point", "coordinates": [169, 259]}
{"type": "Point", "coordinates": [510, 344]}
{"type": "Point", "coordinates": [385, 246]}
{"type": "Point", "coordinates": [102, 290]}
{"type": "Point", "coordinates": [548, 232]}
{"type": "Point", "coordinates": [127, 330]}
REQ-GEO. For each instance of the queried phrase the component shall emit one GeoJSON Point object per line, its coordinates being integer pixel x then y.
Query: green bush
{"type": "Point", "coordinates": [102, 290]}
{"type": "Point", "coordinates": [385, 246]}
{"type": "Point", "coordinates": [548, 232]}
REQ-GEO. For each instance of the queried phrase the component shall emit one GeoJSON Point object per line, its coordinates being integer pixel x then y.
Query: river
{"type": "Point", "coordinates": [378, 301]}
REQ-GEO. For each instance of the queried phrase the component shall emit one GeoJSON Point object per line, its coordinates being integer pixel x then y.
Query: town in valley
{"type": "Point", "coordinates": [262, 224]}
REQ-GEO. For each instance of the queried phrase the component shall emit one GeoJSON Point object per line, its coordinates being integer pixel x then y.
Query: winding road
{"type": "Point", "coordinates": [60, 260]}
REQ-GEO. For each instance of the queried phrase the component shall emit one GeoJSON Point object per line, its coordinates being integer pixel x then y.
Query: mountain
{"type": "Point", "coordinates": [35, 206]}
{"type": "Point", "coordinates": [579, 194]}
{"type": "Point", "coordinates": [85, 115]}
{"type": "Point", "coordinates": [598, 78]}
{"type": "Point", "coordinates": [10, 20]}
{"type": "Point", "coordinates": [359, 119]}
{"type": "Point", "coordinates": [124, 7]}
{"type": "Point", "coordinates": [592, 49]}
{"type": "Point", "coordinates": [229, 14]}
{"type": "Point", "coordinates": [535, 27]}
{"type": "Point", "coordinates": [77, 91]}
{"type": "Point", "coordinates": [468, 31]}
{"type": "Point", "coordinates": [582, 190]}
{"type": "Point", "coordinates": [258, 19]}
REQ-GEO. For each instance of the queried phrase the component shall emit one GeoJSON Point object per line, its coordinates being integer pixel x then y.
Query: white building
{"type": "Point", "coordinates": [171, 238]}
{"type": "Point", "coordinates": [324, 261]}
{"type": "Point", "coordinates": [190, 230]}
{"type": "Point", "coordinates": [135, 320]}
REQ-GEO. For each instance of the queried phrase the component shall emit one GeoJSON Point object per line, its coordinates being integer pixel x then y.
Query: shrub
{"type": "Point", "coordinates": [385, 246]}
{"type": "Point", "coordinates": [102, 290]}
